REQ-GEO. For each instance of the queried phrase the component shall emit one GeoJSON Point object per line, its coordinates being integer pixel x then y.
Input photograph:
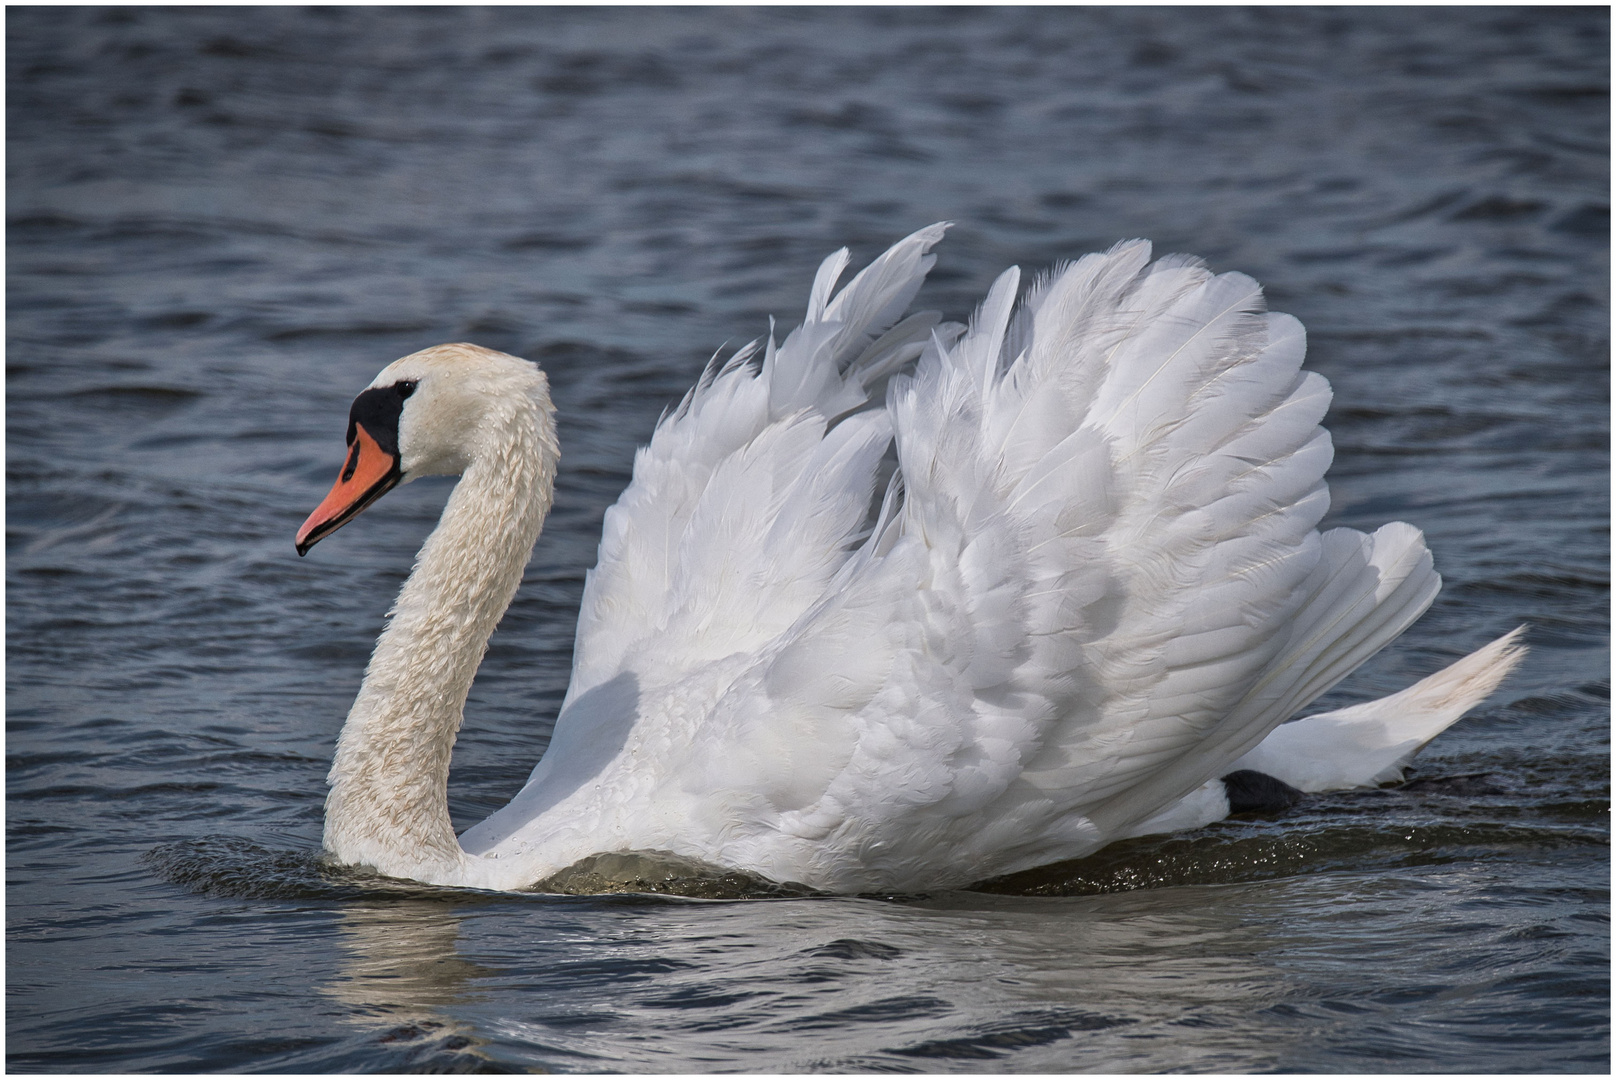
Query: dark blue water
{"type": "Point", "coordinates": [223, 222]}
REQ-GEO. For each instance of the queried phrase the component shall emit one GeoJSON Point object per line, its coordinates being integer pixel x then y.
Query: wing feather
{"type": "Point", "coordinates": [1095, 581]}
{"type": "Point", "coordinates": [1104, 584]}
{"type": "Point", "coordinates": [753, 453]}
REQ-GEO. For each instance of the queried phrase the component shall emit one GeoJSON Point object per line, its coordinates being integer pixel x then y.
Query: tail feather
{"type": "Point", "coordinates": [1372, 743]}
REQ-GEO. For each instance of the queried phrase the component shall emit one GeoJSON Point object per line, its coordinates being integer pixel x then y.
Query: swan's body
{"type": "Point", "coordinates": [1094, 588]}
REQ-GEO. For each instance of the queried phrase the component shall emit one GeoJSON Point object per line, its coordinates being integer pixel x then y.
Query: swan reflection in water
{"type": "Point", "coordinates": [1121, 981]}
{"type": "Point", "coordinates": [401, 972]}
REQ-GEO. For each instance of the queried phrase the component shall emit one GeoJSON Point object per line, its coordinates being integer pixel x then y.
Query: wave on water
{"type": "Point", "coordinates": [230, 866]}
{"type": "Point", "coordinates": [1389, 828]}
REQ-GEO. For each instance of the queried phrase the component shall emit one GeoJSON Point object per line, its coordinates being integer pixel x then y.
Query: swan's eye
{"type": "Point", "coordinates": [405, 388]}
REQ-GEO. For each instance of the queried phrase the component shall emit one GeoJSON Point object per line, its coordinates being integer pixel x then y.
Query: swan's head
{"type": "Point", "coordinates": [434, 412]}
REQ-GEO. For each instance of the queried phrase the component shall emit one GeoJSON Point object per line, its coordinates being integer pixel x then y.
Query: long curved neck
{"type": "Point", "coordinates": [388, 805]}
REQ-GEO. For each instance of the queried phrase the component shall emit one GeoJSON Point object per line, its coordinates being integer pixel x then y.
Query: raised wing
{"type": "Point", "coordinates": [747, 501]}
{"type": "Point", "coordinates": [1102, 584]}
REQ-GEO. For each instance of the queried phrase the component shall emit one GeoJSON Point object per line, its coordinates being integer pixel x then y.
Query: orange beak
{"type": "Point", "coordinates": [368, 474]}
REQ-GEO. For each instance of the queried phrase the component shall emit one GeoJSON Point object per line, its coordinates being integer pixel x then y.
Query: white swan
{"type": "Point", "coordinates": [1093, 589]}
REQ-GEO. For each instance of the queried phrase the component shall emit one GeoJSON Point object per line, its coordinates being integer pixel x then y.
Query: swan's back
{"type": "Point", "coordinates": [1094, 583]}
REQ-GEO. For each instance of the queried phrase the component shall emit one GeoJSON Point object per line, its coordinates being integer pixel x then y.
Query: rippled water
{"type": "Point", "coordinates": [222, 222]}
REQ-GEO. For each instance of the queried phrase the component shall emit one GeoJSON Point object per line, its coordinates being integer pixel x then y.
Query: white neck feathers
{"type": "Point", "coordinates": [388, 804]}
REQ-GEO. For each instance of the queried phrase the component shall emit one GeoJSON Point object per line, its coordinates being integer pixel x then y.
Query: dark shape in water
{"type": "Point", "coordinates": [1253, 792]}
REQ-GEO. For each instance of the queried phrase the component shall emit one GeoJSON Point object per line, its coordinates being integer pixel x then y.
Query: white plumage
{"type": "Point", "coordinates": [1094, 586]}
